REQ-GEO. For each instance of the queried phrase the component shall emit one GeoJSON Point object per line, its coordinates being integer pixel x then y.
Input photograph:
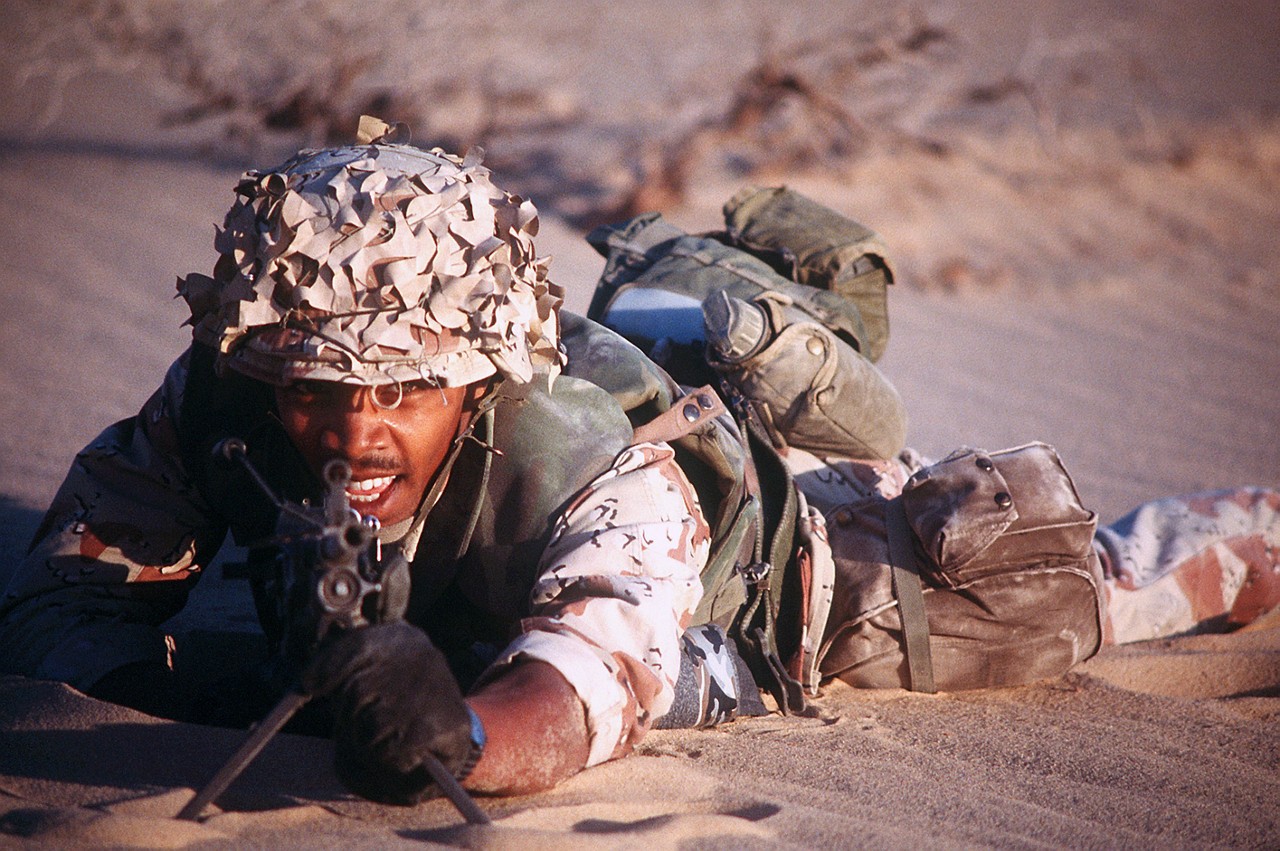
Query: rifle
{"type": "Point", "coordinates": [330, 577]}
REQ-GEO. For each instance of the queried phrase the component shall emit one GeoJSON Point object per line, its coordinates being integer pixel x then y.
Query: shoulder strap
{"type": "Point", "coordinates": [689, 413]}
{"type": "Point", "coordinates": [639, 236]}
{"type": "Point", "coordinates": [905, 570]}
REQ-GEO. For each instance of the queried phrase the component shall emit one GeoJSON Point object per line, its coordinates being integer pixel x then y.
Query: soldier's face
{"type": "Point", "coordinates": [393, 452]}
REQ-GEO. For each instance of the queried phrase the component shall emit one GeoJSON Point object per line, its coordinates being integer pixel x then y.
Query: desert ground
{"type": "Point", "coordinates": [1081, 200]}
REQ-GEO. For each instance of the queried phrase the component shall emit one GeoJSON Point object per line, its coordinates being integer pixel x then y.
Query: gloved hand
{"type": "Point", "coordinates": [395, 700]}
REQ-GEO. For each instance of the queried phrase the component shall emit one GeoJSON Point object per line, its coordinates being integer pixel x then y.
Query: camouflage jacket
{"type": "Point", "coordinates": [585, 550]}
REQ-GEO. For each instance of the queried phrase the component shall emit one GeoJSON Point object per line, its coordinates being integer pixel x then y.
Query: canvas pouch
{"type": "Point", "coordinates": [814, 245]}
{"type": "Point", "coordinates": [817, 392]}
{"type": "Point", "coordinates": [994, 551]}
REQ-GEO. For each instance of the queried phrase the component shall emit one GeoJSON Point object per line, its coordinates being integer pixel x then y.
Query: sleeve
{"type": "Point", "coordinates": [618, 585]}
{"type": "Point", "coordinates": [117, 553]}
{"type": "Point", "coordinates": [830, 481]}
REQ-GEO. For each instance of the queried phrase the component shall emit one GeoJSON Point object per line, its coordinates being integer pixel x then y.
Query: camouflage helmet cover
{"type": "Point", "coordinates": [375, 264]}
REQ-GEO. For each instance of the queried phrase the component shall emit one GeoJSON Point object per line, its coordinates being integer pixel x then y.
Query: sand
{"type": "Point", "coordinates": [1082, 200]}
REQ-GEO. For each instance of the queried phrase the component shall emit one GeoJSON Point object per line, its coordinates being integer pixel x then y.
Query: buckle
{"type": "Point", "coordinates": [754, 573]}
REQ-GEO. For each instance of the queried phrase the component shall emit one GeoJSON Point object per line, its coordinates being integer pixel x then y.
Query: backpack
{"type": "Point", "coordinates": [823, 271]}
{"type": "Point", "coordinates": [806, 284]}
{"type": "Point", "coordinates": [985, 575]}
{"type": "Point", "coordinates": [775, 240]}
{"type": "Point", "coordinates": [985, 558]}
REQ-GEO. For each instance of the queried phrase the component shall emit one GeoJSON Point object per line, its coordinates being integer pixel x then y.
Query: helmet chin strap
{"type": "Point", "coordinates": [475, 407]}
{"type": "Point", "coordinates": [480, 414]}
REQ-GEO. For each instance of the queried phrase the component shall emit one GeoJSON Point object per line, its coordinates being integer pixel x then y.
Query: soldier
{"type": "Point", "coordinates": [384, 305]}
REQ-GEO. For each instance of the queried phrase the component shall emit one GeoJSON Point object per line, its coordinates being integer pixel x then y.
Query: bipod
{"type": "Point", "coordinates": [272, 724]}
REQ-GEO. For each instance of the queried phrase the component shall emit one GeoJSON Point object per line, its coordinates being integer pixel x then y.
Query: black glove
{"type": "Point", "coordinates": [395, 700]}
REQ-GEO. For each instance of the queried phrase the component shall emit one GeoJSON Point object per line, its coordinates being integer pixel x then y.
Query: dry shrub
{"type": "Point", "coordinates": [803, 108]}
{"type": "Point", "coordinates": [308, 68]}
{"type": "Point", "coordinates": [468, 72]}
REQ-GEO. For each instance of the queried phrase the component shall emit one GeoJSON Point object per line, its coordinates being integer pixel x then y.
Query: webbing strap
{"type": "Point", "coordinates": [688, 414]}
{"type": "Point", "coordinates": [905, 570]}
{"type": "Point", "coordinates": [646, 238]}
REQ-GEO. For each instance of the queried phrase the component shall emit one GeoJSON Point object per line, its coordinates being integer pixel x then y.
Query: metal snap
{"type": "Point", "coordinates": [815, 346]}
{"type": "Point", "coordinates": [704, 402]}
{"type": "Point", "coordinates": [691, 413]}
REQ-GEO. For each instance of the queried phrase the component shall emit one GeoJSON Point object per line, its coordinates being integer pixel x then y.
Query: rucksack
{"type": "Point", "coordinates": [986, 576]}
{"type": "Point", "coordinates": [775, 240]}
{"type": "Point", "coordinates": [810, 375]}
{"type": "Point", "coordinates": [826, 272]}
{"type": "Point", "coordinates": [985, 557]}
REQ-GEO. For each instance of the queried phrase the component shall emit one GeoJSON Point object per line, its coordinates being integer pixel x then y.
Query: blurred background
{"type": "Point", "coordinates": [1081, 198]}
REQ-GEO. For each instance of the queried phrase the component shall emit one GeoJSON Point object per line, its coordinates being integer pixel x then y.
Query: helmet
{"type": "Point", "coordinates": [378, 264]}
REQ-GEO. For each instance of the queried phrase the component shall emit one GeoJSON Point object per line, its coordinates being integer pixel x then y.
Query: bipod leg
{"type": "Point", "coordinates": [454, 792]}
{"type": "Point", "coordinates": [239, 761]}
{"type": "Point", "coordinates": [277, 718]}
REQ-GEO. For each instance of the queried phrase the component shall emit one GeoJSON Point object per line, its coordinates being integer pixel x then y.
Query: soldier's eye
{"type": "Point", "coordinates": [304, 389]}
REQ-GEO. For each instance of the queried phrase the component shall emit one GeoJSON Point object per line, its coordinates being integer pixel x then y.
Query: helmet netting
{"type": "Point", "coordinates": [378, 263]}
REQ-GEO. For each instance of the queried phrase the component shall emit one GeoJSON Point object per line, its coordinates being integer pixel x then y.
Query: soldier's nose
{"type": "Point", "coordinates": [356, 428]}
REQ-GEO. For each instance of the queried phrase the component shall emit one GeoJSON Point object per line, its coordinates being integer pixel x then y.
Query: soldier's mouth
{"type": "Point", "coordinates": [366, 491]}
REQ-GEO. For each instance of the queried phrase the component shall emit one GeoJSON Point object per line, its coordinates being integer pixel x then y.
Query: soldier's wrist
{"type": "Point", "coordinates": [478, 740]}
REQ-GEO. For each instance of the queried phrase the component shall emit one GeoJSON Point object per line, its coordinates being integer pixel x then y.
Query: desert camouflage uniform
{"type": "Point", "coordinates": [830, 481]}
{"type": "Point", "coordinates": [615, 633]}
{"type": "Point", "coordinates": [1207, 561]}
{"type": "Point", "coordinates": [122, 544]}
{"type": "Point", "coordinates": [128, 535]}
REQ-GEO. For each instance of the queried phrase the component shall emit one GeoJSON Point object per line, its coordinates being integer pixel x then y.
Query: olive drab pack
{"type": "Point", "coordinates": [985, 559]}
{"type": "Point", "coordinates": [721, 306]}
{"type": "Point", "coordinates": [772, 311]}
{"type": "Point", "coordinates": [654, 268]}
